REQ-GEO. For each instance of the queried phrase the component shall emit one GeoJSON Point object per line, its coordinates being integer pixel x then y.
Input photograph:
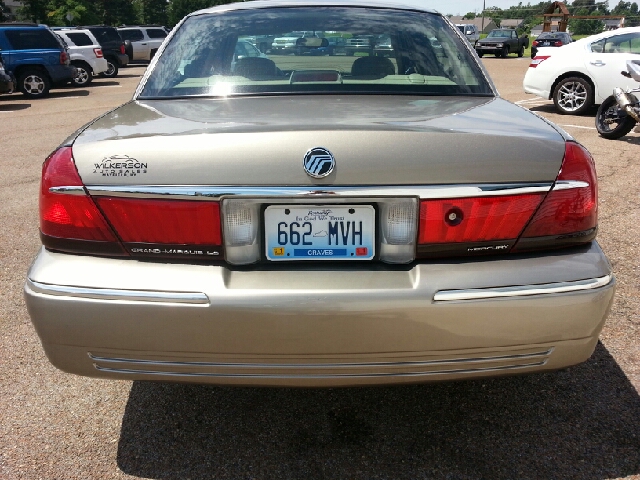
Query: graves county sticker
{"type": "Point", "coordinates": [119, 166]}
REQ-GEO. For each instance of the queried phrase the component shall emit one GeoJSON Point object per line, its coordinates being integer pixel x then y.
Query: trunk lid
{"type": "Point", "coordinates": [376, 140]}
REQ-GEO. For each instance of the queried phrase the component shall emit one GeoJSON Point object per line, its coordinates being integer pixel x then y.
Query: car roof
{"type": "Point", "coordinates": [258, 4]}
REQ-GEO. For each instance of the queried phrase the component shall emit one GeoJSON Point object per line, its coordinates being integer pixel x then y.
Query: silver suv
{"type": "Point", "coordinates": [470, 31]}
{"type": "Point", "coordinates": [145, 40]}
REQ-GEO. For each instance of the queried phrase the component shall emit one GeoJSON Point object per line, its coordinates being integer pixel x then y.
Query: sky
{"type": "Point", "coordinates": [460, 7]}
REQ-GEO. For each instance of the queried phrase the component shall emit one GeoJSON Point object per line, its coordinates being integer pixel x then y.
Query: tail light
{"type": "Point", "coordinates": [73, 221]}
{"type": "Point", "coordinates": [64, 58]}
{"type": "Point", "coordinates": [69, 219]}
{"type": "Point", "coordinates": [122, 49]}
{"type": "Point", "coordinates": [461, 226]}
{"type": "Point", "coordinates": [537, 60]}
{"type": "Point", "coordinates": [569, 213]}
{"type": "Point", "coordinates": [566, 215]}
{"type": "Point", "coordinates": [98, 52]}
{"type": "Point", "coordinates": [559, 43]}
{"type": "Point", "coordinates": [535, 43]}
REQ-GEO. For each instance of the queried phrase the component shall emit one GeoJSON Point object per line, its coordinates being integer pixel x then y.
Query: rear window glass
{"type": "Point", "coordinates": [80, 39]}
{"type": "Point", "coordinates": [38, 38]}
{"type": "Point", "coordinates": [131, 35]}
{"type": "Point", "coordinates": [380, 51]}
{"type": "Point", "coordinates": [156, 33]}
{"type": "Point", "coordinates": [104, 35]}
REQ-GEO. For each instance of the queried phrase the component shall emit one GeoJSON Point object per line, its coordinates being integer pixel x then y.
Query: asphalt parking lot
{"type": "Point", "coordinates": [583, 422]}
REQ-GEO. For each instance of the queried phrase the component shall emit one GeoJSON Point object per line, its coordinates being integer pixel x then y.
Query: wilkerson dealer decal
{"type": "Point", "coordinates": [120, 166]}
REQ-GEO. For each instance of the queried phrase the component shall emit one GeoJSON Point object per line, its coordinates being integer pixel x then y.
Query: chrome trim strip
{"type": "Point", "coordinates": [318, 366]}
{"type": "Point", "coordinates": [111, 294]}
{"type": "Point", "coordinates": [521, 290]}
{"type": "Point", "coordinates": [312, 376]}
{"type": "Point", "coordinates": [68, 190]}
{"type": "Point", "coordinates": [569, 184]}
{"type": "Point", "coordinates": [217, 192]}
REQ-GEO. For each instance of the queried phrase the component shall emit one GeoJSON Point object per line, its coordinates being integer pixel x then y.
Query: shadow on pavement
{"type": "Point", "coordinates": [129, 76]}
{"type": "Point", "coordinates": [11, 107]}
{"type": "Point", "coordinates": [583, 422]}
{"type": "Point", "coordinates": [72, 92]}
{"type": "Point", "coordinates": [102, 83]}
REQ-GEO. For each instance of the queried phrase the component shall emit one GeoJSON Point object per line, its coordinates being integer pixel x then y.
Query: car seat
{"type": "Point", "coordinates": [256, 68]}
{"type": "Point", "coordinates": [372, 67]}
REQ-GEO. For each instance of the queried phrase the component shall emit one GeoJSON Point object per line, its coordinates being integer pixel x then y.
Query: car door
{"type": "Point", "coordinates": [607, 57]}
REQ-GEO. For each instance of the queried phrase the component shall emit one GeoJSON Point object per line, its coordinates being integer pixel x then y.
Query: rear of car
{"type": "Point", "coordinates": [86, 55]}
{"type": "Point", "coordinates": [7, 81]}
{"type": "Point", "coordinates": [550, 39]}
{"type": "Point", "coordinates": [36, 57]}
{"type": "Point", "coordinates": [145, 40]}
{"type": "Point", "coordinates": [318, 221]}
{"type": "Point", "coordinates": [112, 46]}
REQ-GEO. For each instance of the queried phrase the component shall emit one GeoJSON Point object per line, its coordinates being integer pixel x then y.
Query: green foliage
{"type": "Point", "coordinates": [151, 11]}
{"type": "Point", "coordinates": [3, 9]}
{"type": "Point", "coordinates": [69, 12]}
{"type": "Point", "coordinates": [469, 16]}
{"type": "Point", "coordinates": [580, 26]}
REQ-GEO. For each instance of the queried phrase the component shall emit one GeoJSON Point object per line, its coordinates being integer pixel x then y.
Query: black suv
{"type": "Point", "coordinates": [113, 47]}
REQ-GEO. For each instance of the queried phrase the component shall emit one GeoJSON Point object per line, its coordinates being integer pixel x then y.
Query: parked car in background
{"type": "Point", "coordinates": [36, 57]}
{"type": "Point", "coordinates": [113, 48]}
{"type": "Point", "coordinates": [86, 55]}
{"type": "Point", "coordinates": [145, 40]}
{"type": "Point", "coordinates": [502, 42]}
{"type": "Point", "coordinates": [312, 222]}
{"type": "Point", "coordinates": [550, 39]}
{"type": "Point", "coordinates": [7, 82]}
{"type": "Point", "coordinates": [470, 31]}
{"type": "Point", "coordinates": [582, 74]}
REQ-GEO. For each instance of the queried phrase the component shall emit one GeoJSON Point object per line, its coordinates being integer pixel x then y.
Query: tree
{"type": "Point", "coordinates": [3, 9]}
{"type": "Point", "coordinates": [115, 12]}
{"type": "Point", "coordinates": [33, 10]}
{"type": "Point", "coordinates": [151, 11]}
{"type": "Point", "coordinates": [70, 12]}
{"type": "Point", "coordinates": [469, 16]}
{"type": "Point", "coordinates": [178, 9]}
{"type": "Point", "coordinates": [579, 26]}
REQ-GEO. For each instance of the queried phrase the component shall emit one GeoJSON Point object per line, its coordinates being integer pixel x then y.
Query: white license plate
{"type": "Point", "coordinates": [545, 44]}
{"type": "Point", "coordinates": [325, 232]}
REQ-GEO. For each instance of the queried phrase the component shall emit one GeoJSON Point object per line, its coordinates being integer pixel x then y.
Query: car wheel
{"type": "Point", "coordinates": [34, 83]}
{"type": "Point", "coordinates": [612, 122]}
{"type": "Point", "coordinates": [573, 96]}
{"type": "Point", "coordinates": [84, 74]}
{"type": "Point", "coordinates": [504, 53]}
{"type": "Point", "coordinates": [112, 68]}
{"type": "Point", "coordinates": [521, 52]}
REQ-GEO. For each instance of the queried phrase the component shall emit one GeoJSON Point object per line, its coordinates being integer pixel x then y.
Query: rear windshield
{"type": "Point", "coordinates": [105, 34]}
{"type": "Point", "coordinates": [315, 50]}
{"type": "Point", "coordinates": [33, 39]}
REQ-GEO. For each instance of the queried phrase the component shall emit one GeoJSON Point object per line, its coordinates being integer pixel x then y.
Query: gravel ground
{"type": "Point", "coordinates": [583, 422]}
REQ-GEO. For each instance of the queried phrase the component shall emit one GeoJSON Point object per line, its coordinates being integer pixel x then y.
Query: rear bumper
{"type": "Point", "coordinates": [314, 327]}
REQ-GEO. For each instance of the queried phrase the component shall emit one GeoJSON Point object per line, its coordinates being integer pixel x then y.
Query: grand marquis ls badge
{"type": "Point", "coordinates": [318, 162]}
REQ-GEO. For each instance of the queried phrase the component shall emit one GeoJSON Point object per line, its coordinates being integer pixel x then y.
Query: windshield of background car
{"type": "Point", "coordinates": [499, 34]}
{"type": "Point", "coordinates": [425, 55]}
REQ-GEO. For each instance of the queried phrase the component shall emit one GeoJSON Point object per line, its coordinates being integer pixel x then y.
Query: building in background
{"type": "Point", "coordinates": [488, 23]}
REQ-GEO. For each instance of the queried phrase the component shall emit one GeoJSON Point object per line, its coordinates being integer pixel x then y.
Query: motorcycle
{"type": "Point", "coordinates": [619, 113]}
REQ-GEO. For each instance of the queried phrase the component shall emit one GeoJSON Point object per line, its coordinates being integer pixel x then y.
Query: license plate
{"type": "Point", "coordinates": [326, 232]}
{"type": "Point", "coordinates": [545, 44]}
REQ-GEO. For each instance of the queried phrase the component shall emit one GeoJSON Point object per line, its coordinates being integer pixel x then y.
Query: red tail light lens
{"type": "Point", "coordinates": [558, 43]}
{"type": "Point", "coordinates": [176, 222]}
{"type": "Point", "coordinates": [569, 210]}
{"type": "Point", "coordinates": [69, 216]}
{"type": "Point", "coordinates": [64, 58]}
{"type": "Point", "coordinates": [98, 52]}
{"type": "Point", "coordinates": [535, 43]}
{"type": "Point", "coordinates": [475, 219]}
{"type": "Point", "coordinates": [537, 60]}
{"type": "Point", "coordinates": [122, 49]}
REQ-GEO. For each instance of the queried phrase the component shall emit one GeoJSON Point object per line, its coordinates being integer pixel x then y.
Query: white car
{"type": "Point", "coordinates": [583, 73]}
{"type": "Point", "coordinates": [85, 53]}
{"type": "Point", "coordinates": [145, 40]}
